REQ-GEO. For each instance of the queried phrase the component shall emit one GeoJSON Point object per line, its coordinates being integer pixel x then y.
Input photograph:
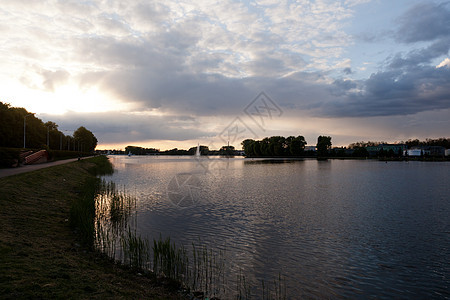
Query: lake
{"type": "Point", "coordinates": [329, 229]}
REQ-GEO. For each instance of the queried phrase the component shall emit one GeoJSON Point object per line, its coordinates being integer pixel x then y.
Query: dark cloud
{"type": "Point", "coordinates": [389, 92]}
{"type": "Point", "coordinates": [168, 72]}
{"type": "Point", "coordinates": [421, 56]}
{"type": "Point", "coordinates": [347, 71]}
{"type": "Point", "coordinates": [410, 83]}
{"type": "Point", "coordinates": [116, 127]}
{"type": "Point", "coordinates": [424, 22]}
{"type": "Point", "coordinates": [199, 94]}
{"type": "Point", "coordinates": [393, 93]}
{"type": "Point", "coordinates": [341, 86]}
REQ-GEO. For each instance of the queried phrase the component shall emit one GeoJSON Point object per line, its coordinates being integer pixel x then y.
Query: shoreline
{"type": "Point", "coordinates": [429, 158]}
{"type": "Point", "coordinates": [42, 257]}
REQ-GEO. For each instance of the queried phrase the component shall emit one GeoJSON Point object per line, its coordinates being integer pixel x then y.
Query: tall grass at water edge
{"type": "Point", "coordinates": [201, 270]}
{"type": "Point", "coordinates": [82, 211]}
{"type": "Point", "coordinates": [106, 224]}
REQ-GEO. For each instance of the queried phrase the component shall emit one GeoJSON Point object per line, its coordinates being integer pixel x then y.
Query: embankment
{"type": "Point", "coordinates": [40, 254]}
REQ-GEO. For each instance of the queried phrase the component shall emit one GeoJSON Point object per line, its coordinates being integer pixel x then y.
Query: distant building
{"type": "Point", "coordinates": [427, 151]}
{"type": "Point", "coordinates": [447, 152]}
{"type": "Point", "coordinates": [310, 148]}
{"type": "Point", "coordinates": [372, 150]}
{"type": "Point", "coordinates": [397, 149]}
{"type": "Point", "coordinates": [414, 152]}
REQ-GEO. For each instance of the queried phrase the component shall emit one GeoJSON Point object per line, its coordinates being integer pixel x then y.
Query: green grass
{"type": "Point", "coordinates": [42, 256]}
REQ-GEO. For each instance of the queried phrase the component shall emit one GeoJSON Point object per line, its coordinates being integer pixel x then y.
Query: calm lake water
{"type": "Point", "coordinates": [332, 229]}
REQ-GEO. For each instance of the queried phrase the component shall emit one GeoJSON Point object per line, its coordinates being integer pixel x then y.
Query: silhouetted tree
{"type": "Point", "coordinates": [323, 145]}
{"type": "Point", "coordinates": [12, 131]}
{"type": "Point", "coordinates": [227, 150]}
{"type": "Point", "coordinates": [84, 140]}
{"type": "Point", "coordinates": [364, 144]}
{"type": "Point", "coordinates": [297, 145]}
{"type": "Point", "coordinates": [361, 152]}
{"type": "Point", "coordinates": [248, 145]}
{"type": "Point", "coordinates": [274, 146]}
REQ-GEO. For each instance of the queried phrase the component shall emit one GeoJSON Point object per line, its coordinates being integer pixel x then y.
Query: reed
{"type": "Point", "coordinates": [113, 206]}
{"type": "Point", "coordinates": [169, 260]}
{"type": "Point", "coordinates": [82, 212]}
{"type": "Point", "coordinates": [201, 270]}
{"type": "Point", "coordinates": [113, 217]}
{"type": "Point", "coordinates": [207, 272]}
{"type": "Point", "coordinates": [136, 251]}
{"type": "Point", "coordinates": [242, 287]}
{"type": "Point", "coordinates": [278, 292]}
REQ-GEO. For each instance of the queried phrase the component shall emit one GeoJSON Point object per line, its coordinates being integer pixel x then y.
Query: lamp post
{"type": "Point", "coordinates": [68, 139]}
{"type": "Point", "coordinates": [24, 126]}
{"type": "Point", "coordinates": [48, 137]}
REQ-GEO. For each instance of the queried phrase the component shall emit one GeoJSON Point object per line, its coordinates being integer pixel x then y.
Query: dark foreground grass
{"type": "Point", "coordinates": [40, 254]}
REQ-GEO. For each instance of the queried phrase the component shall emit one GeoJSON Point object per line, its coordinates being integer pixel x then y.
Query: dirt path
{"type": "Point", "coordinates": [29, 168]}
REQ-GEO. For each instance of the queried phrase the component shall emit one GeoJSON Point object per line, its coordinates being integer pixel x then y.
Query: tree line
{"type": "Point", "coordinates": [204, 150]}
{"type": "Point", "coordinates": [275, 146]}
{"type": "Point", "coordinates": [443, 142]}
{"type": "Point", "coordinates": [279, 146]}
{"type": "Point", "coordinates": [21, 129]}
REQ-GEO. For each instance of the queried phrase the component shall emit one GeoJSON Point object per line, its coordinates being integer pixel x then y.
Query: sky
{"type": "Point", "coordinates": [168, 74]}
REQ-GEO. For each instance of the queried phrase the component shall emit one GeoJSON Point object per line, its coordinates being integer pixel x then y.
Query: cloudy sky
{"type": "Point", "coordinates": [169, 73]}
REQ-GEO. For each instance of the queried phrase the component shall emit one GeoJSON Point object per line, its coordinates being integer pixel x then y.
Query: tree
{"type": "Point", "coordinates": [248, 146]}
{"type": "Point", "coordinates": [360, 152]}
{"type": "Point", "coordinates": [297, 145]}
{"type": "Point", "coordinates": [85, 140]}
{"type": "Point", "coordinates": [227, 150]}
{"type": "Point", "coordinates": [274, 146]}
{"type": "Point", "coordinates": [277, 146]}
{"type": "Point", "coordinates": [264, 147]}
{"type": "Point", "coordinates": [54, 135]}
{"type": "Point", "coordinates": [12, 121]}
{"type": "Point", "coordinates": [323, 145]}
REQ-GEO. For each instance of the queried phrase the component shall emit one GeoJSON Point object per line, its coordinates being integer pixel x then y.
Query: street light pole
{"type": "Point", "coordinates": [24, 126]}
{"type": "Point", "coordinates": [68, 140]}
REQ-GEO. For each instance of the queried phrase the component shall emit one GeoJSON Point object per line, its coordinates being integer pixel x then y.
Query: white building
{"type": "Point", "coordinates": [414, 152]}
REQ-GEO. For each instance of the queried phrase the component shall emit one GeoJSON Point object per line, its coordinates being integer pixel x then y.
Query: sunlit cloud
{"type": "Point", "coordinates": [444, 63]}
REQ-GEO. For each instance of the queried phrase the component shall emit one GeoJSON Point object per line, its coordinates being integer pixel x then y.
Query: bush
{"type": "Point", "coordinates": [64, 154]}
{"type": "Point", "coordinates": [9, 157]}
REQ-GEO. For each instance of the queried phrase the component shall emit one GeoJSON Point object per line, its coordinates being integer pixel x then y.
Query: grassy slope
{"type": "Point", "coordinates": [41, 257]}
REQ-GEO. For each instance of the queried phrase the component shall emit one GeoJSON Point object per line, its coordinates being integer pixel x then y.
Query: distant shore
{"type": "Point", "coordinates": [403, 158]}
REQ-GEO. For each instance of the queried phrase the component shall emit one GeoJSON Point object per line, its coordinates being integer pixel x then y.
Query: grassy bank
{"type": "Point", "coordinates": [40, 254]}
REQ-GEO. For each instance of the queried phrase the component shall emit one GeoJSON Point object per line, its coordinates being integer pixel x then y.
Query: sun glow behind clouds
{"type": "Point", "coordinates": [63, 99]}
